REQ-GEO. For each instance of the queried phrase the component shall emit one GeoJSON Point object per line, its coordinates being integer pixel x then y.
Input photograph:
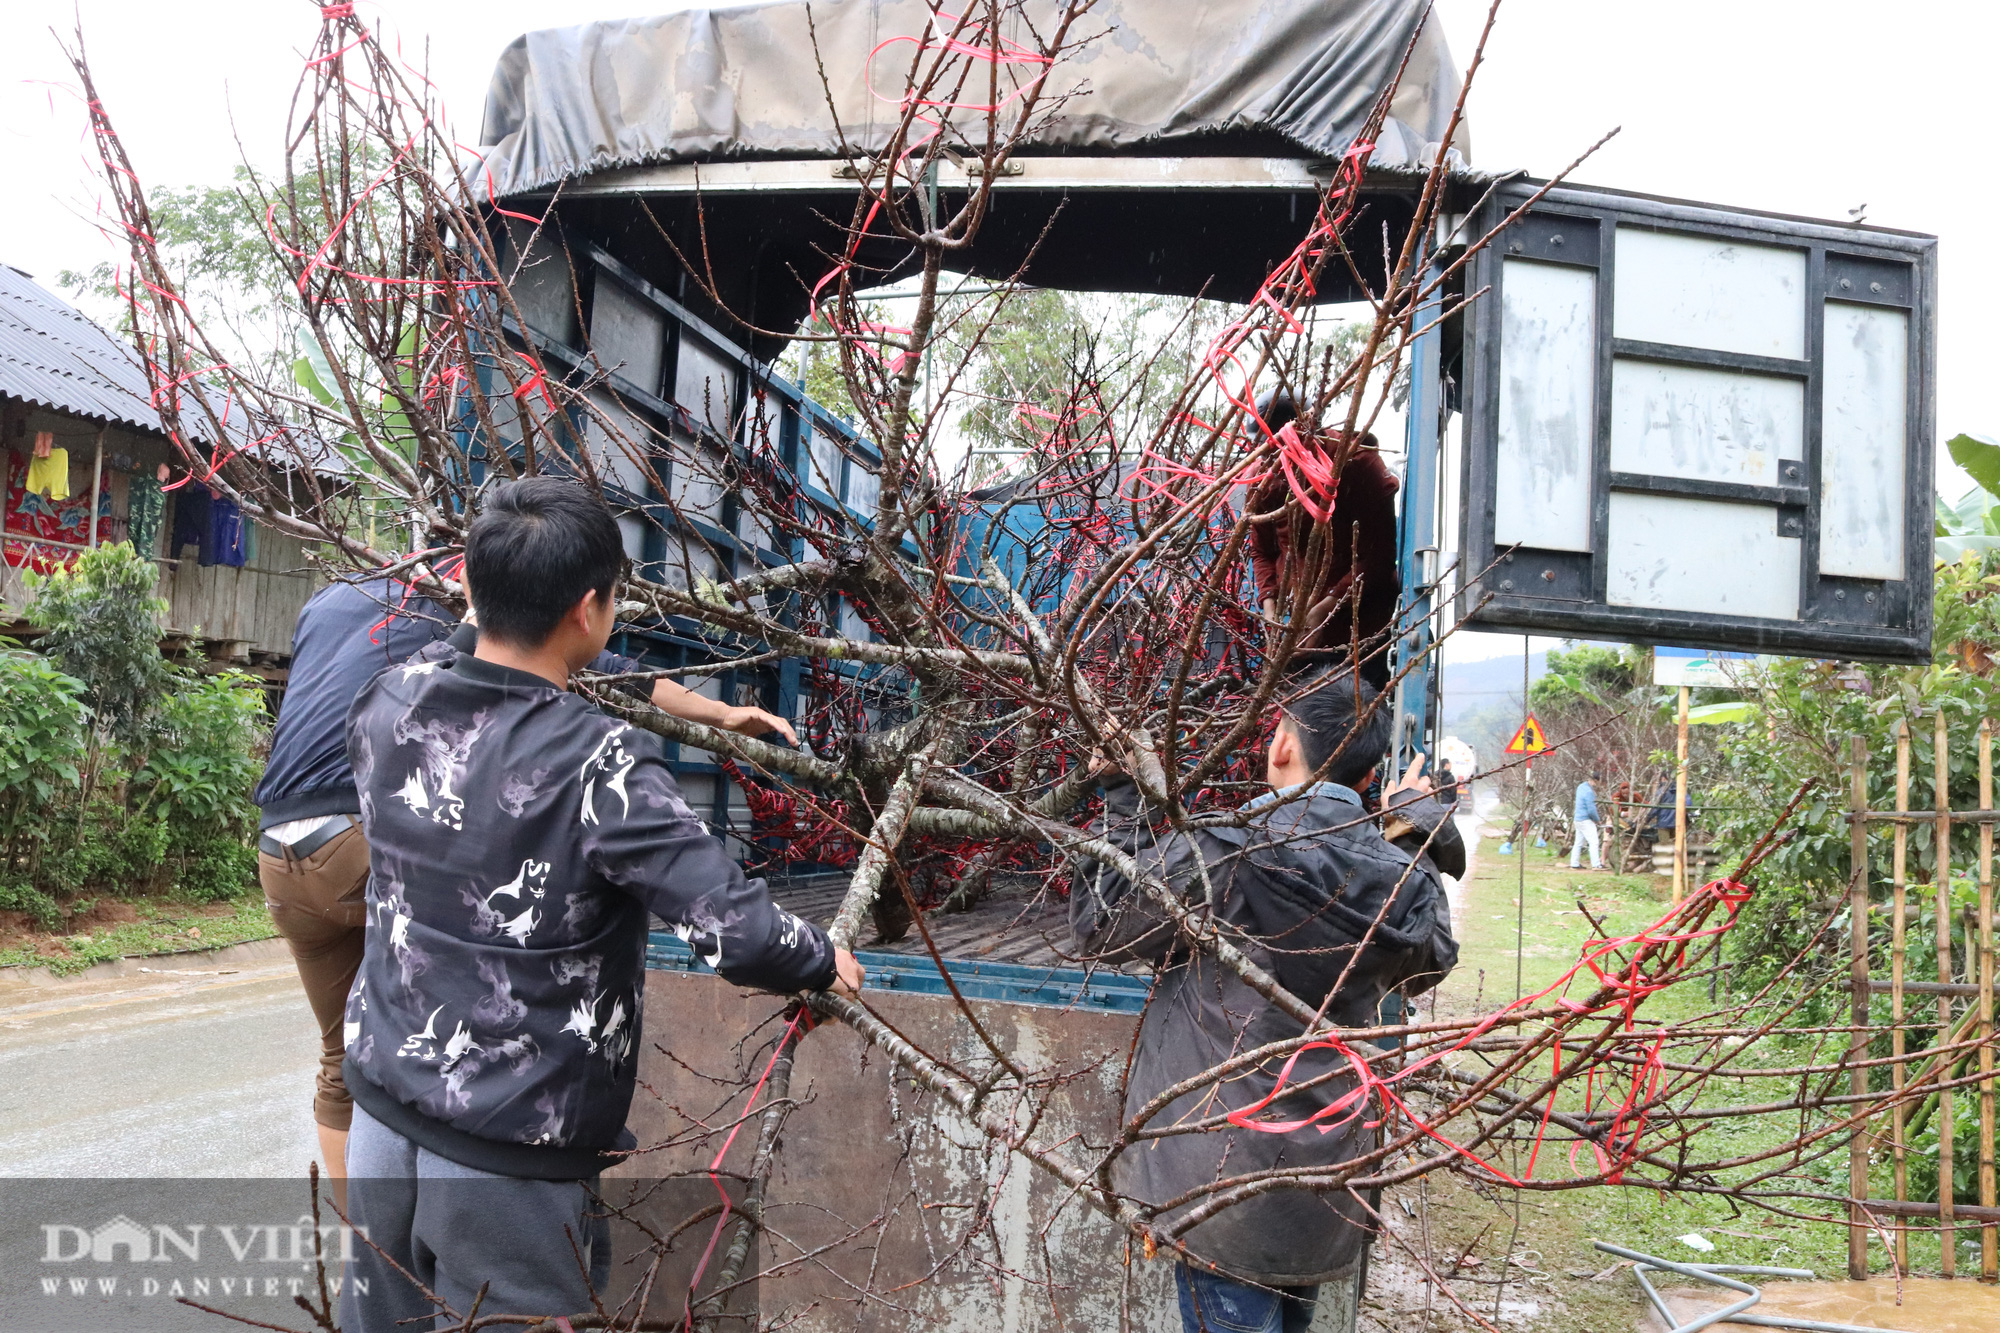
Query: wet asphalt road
{"type": "Point", "coordinates": [202, 1072]}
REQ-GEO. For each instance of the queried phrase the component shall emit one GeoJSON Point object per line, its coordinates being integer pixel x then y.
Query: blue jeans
{"type": "Point", "coordinates": [1211, 1303]}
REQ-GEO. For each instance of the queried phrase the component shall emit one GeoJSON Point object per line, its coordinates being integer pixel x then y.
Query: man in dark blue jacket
{"type": "Point", "coordinates": [518, 838]}
{"type": "Point", "coordinates": [1342, 911]}
{"type": "Point", "coordinates": [312, 859]}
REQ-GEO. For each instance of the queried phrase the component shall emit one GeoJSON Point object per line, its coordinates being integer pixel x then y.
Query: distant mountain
{"type": "Point", "coordinates": [1482, 700]}
{"type": "Point", "coordinates": [1470, 687]}
{"type": "Point", "coordinates": [1481, 703]}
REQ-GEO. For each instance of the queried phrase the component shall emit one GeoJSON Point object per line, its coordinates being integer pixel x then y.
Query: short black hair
{"type": "Point", "coordinates": [538, 545]}
{"type": "Point", "coordinates": [1333, 709]}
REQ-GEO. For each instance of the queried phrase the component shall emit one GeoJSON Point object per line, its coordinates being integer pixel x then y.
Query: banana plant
{"type": "Point", "coordinates": [391, 426]}
{"type": "Point", "coordinates": [1972, 526]}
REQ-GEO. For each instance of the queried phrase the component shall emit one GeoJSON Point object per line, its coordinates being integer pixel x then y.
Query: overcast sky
{"type": "Point", "coordinates": [1813, 107]}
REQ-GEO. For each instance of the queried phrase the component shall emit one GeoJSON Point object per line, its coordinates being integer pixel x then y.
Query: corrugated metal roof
{"type": "Point", "coordinates": [52, 356]}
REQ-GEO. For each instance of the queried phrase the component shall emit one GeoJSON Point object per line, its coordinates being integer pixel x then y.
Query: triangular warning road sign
{"type": "Point", "coordinates": [1530, 739]}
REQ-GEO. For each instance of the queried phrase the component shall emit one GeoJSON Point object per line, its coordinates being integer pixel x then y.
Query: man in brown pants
{"type": "Point", "coordinates": [312, 859]}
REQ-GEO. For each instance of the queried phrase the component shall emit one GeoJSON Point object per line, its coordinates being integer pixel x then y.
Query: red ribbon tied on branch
{"type": "Point", "coordinates": [1627, 988]}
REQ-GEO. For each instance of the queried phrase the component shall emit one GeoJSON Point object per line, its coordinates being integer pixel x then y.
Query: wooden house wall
{"type": "Point", "coordinates": [254, 608]}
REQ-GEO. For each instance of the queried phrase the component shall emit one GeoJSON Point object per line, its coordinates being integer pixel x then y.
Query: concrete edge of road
{"type": "Point", "coordinates": [17, 982]}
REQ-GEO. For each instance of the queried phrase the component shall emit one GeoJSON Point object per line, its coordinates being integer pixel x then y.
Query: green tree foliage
{"type": "Point", "coordinates": [215, 236]}
{"type": "Point", "coordinates": [1973, 524]}
{"type": "Point", "coordinates": [1598, 706]}
{"type": "Point", "coordinates": [1806, 718]}
{"type": "Point", "coordinates": [1125, 351]}
{"type": "Point", "coordinates": [200, 771]}
{"type": "Point", "coordinates": [1084, 365]}
{"type": "Point", "coordinates": [1587, 674]}
{"type": "Point", "coordinates": [1980, 457]}
{"type": "Point", "coordinates": [1806, 714]}
{"type": "Point", "coordinates": [1130, 354]}
{"type": "Point", "coordinates": [816, 365]}
{"type": "Point", "coordinates": [217, 240]}
{"type": "Point", "coordinates": [43, 725]}
{"type": "Point", "coordinates": [120, 774]}
{"type": "Point", "coordinates": [101, 626]}
{"type": "Point", "coordinates": [1487, 729]}
{"type": "Point", "coordinates": [44, 728]}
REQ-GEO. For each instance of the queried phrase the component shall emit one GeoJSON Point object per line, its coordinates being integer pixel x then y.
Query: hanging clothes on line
{"type": "Point", "coordinates": [226, 534]}
{"type": "Point", "coordinates": [48, 469]}
{"type": "Point", "coordinates": [193, 514]}
{"type": "Point", "coordinates": [32, 519]}
{"type": "Point", "coordinates": [212, 524]}
{"type": "Point", "coordinates": [143, 505]}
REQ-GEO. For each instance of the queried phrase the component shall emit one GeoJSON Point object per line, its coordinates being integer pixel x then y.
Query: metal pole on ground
{"type": "Point", "coordinates": [1989, 1236]}
{"type": "Point", "coordinates": [1736, 1311]}
{"type": "Point", "coordinates": [1521, 844]}
{"type": "Point", "coordinates": [1941, 882]}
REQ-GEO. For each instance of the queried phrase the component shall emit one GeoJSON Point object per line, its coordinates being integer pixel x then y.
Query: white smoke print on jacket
{"type": "Point", "coordinates": [702, 930]}
{"type": "Point", "coordinates": [474, 1047]}
{"type": "Point", "coordinates": [518, 838]}
{"type": "Point", "coordinates": [361, 758]}
{"type": "Point", "coordinates": [446, 748]}
{"type": "Point", "coordinates": [529, 885]}
{"type": "Point", "coordinates": [489, 923]}
{"type": "Point", "coordinates": [501, 1008]}
{"type": "Point", "coordinates": [578, 967]}
{"type": "Point", "coordinates": [471, 1062]}
{"type": "Point", "coordinates": [609, 763]}
{"type": "Point", "coordinates": [391, 915]}
{"type": "Point", "coordinates": [613, 1038]}
{"type": "Point", "coordinates": [534, 876]}
{"type": "Point", "coordinates": [517, 792]}
{"type": "Point", "coordinates": [351, 1038]}
{"type": "Point", "coordinates": [422, 1045]}
{"type": "Point", "coordinates": [553, 1111]}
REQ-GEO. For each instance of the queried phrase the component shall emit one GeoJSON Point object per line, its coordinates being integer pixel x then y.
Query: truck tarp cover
{"type": "Point", "coordinates": [1158, 76]}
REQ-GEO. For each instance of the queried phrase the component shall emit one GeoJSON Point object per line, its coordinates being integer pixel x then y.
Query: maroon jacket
{"type": "Point", "coordinates": [1363, 523]}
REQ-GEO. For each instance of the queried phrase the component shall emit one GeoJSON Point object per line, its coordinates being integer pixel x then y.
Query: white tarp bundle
{"type": "Point", "coordinates": [1176, 76]}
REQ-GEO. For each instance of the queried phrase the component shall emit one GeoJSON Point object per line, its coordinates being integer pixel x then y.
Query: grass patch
{"type": "Point", "coordinates": [1558, 1226]}
{"type": "Point", "coordinates": [156, 928]}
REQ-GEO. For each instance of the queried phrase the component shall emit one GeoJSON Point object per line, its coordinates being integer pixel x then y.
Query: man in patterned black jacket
{"type": "Point", "coordinates": [518, 838]}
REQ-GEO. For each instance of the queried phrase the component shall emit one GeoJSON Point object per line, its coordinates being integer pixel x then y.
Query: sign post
{"type": "Point", "coordinates": [1681, 800]}
{"type": "Point", "coordinates": [1530, 739]}
{"type": "Point", "coordinates": [1683, 669]}
{"type": "Point", "coordinates": [1697, 424]}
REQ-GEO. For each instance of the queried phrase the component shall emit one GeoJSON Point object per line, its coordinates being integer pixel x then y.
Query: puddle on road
{"type": "Point", "coordinates": [1930, 1305]}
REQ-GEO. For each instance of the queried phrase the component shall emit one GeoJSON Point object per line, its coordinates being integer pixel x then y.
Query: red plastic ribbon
{"type": "Point", "coordinates": [715, 1167]}
{"type": "Point", "coordinates": [1629, 988]}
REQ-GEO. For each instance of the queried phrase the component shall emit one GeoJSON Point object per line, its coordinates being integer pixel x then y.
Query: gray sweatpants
{"type": "Point", "coordinates": [453, 1229]}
